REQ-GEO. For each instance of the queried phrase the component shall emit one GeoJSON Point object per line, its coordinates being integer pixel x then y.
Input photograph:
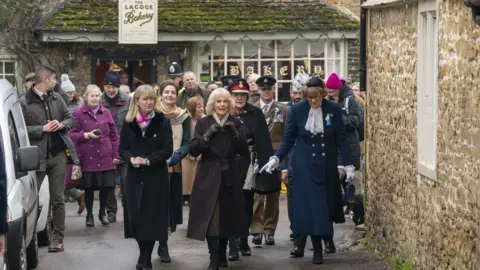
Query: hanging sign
{"type": "Point", "coordinates": [138, 21]}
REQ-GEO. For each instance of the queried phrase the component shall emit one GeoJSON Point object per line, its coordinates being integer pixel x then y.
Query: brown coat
{"type": "Point", "coordinates": [189, 166]}
{"type": "Point", "coordinates": [275, 117]}
{"type": "Point", "coordinates": [217, 182]}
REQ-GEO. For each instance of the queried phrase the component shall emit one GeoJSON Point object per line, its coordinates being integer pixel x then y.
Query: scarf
{"type": "Point", "coordinates": [94, 110]}
{"type": "Point", "coordinates": [176, 115]}
{"type": "Point", "coordinates": [144, 121]}
{"type": "Point", "coordinates": [221, 122]}
{"type": "Point", "coordinates": [315, 121]}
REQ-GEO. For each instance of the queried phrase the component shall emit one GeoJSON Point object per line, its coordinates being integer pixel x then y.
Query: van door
{"type": "Point", "coordinates": [18, 138]}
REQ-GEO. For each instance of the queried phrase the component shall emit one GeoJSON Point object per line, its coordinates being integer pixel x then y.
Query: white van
{"type": "Point", "coordinates": [28, 211]}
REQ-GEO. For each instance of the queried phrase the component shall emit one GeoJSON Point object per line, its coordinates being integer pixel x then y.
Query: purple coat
{"type": "Point", "coordinates": [95, 155]}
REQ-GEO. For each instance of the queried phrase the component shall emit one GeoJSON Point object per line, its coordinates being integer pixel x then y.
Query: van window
{"type": "Point", "coordinates": [12, 131]}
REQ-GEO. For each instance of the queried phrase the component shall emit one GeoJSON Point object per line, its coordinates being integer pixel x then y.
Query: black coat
{"type": "Point", "coordinates": [254, 119]}
{"type": "Point", "coordinates": [217, 180]}
{"type": "Point", "coordinates": [146, 188]}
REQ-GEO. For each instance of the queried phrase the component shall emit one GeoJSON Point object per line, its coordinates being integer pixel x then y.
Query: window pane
{"type": "Point", "coordinates": [333, 49]}
{"type": "Point", "coordinates": [317, 67]}
{"type": "Point", "coordinates": [218, 70]}
{"type": "Point", "coordinates": [268, 68]}
{"type": "Point", "coordinates": [250, 50]}
{"type": "Point", "coordinates": [204, 72]}
{"type": "Point", "coordinates": [234, 50]}
{"type": "Point", "coordinates": [234, 68]}
{"type": "Point", "coordinates": [283, 91]}
{"type": "Point", "coordinates": [9, 67]}
{"type": "Point", "coordinates": [284, 49]}
{"type": "Point", "coordinates": [317, 49]}
{"type": "Point", "coordinates": [284, 70]}
{"type": "Point", "coordinates": [204, 51]}
{"type": "Point", "coordinates": [300, 48]}
{"type": "Point", "coordinates": [334, 66]}
{"type": "Point", "coordinates": [250, 67]}
{"type": "Point", "coordinates": [11, 79]}
{"type": "Point", "coordinates": [218, 50]}
{"type": "Point", "coordinates": [267, 48]}
{"type": "Point", "coordinates": [301, 66]}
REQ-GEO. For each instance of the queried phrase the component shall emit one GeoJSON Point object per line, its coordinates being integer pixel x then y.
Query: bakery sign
{"type": "Point", "coordinates": [138, 21]}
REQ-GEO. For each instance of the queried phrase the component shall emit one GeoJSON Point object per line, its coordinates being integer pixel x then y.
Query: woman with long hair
{"type": "Point", "coordinates": [146, 145]}
{"type": "Point", "coordinates": [189, 165]}
{"type": "Point", "coordinates": [317, 135]}
{"type": "Point", "coordinates": [217, 208]}
{"type": "Point", "coordinates": [180, 121]}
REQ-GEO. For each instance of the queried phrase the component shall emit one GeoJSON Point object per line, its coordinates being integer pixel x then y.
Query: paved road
{"type": "Point", "coordinates": [104, 248]}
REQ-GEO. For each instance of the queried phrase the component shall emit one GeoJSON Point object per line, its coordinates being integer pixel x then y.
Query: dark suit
{"type": "Point", "coordinates": [3, 195]}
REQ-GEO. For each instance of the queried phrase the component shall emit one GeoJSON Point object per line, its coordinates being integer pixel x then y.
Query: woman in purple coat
{"type": "Point", "coordinates": [96, 141]}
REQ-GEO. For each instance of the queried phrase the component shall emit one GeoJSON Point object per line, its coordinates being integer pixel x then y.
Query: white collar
{"type": "Point", "coordinates": [262, 104]}
{"type": "Point", "coordinates": [40, 94]}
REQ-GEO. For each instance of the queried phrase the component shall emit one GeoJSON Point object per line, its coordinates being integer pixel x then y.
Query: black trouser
{"type": "Point", "coordinates": [146, 249]}
{"type": "Point", "coordinates": [289, 199]}
{"type": "Point", "coordinates": [112, 206]}
{"type": "Point", "coordinates": [89, 196]}
{"type": "Point", "coordinates": [301, 241]}
{"type": "Point", "coordinates": [249, 199]}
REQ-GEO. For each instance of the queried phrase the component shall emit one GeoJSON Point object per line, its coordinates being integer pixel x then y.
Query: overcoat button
{"type": "Point", "coordinates": [313, 154]}
{"type": "Point", "coordinates": [323, 154]}
{"type": "Point", "coordinates": [323, 144]}
{"type": "Point", "coordinates": [313, 145]}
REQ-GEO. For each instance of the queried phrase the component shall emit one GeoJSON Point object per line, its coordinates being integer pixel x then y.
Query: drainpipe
{"type": "Point", "coordinates": [363, 47]}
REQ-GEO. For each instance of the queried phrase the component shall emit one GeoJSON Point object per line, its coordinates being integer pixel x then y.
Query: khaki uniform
{"type": "Point", "coordinates": [266, 207]}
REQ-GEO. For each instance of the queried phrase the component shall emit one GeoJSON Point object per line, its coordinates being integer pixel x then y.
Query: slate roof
{"type": "Point", "coordinates": [206, 16]}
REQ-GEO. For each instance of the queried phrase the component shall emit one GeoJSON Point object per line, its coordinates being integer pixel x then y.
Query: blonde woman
{"type": "Point", "coordinates": [217, 208]}
{"type": "Point", "coordinates": [180, 121]}
{"type": "Point", "coordinates": [189, 165]}
{"type": "Point", "coordinates": [96, 141]}
{"type": "Point", "coordinates": [146, 144]}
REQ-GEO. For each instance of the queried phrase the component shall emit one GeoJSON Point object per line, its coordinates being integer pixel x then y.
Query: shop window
{"type": "Point", "coordinates": [7, 70]}
{"type": "Point", "coordinates": [282, 59]}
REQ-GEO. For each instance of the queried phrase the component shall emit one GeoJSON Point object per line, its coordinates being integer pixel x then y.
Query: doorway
{"type": "Point", "coordinates": [139, 71]}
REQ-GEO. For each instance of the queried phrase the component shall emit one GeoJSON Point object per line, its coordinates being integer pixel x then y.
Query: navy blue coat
{"type": "Point", "coordinates": [316, 188]}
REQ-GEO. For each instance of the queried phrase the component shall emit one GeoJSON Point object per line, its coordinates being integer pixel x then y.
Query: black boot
{"type": "Point", "coordinates": [214, 250]}
{"type": "Point", "coordinates": [89, 221]}
{"type": "Point", "coordinates": [299, 247]}
{"type": "Point", "coordinates": [222, 252]}
{"type": "Point", "coordinates": [329, 245]}
{"type": "Point", "coordinates": [147, 256]}
{"type": "Point", "coordinates": [140, 257]}
{"type": "Point", "coordinates": [244, 247]}
{"type": "Point", "coordinates": [232, 249]}
{"type": "Point", "coordinates": [317, 250]}
{"type": "Point", "coordinates": [163, 253]}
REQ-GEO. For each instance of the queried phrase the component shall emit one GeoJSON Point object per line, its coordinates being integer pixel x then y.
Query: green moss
{"type": "Point", "coordinates": [207, 16]}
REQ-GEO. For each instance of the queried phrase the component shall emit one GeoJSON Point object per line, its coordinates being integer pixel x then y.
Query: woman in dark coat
{"type": "Point", "coordinates": [146, 143]}
{"type": "Point", "coordinates": [315, 131]}
{"type": "Point", "coordinates": [217, 207]}
{"type": "Point", "coordinates": [255, 130]}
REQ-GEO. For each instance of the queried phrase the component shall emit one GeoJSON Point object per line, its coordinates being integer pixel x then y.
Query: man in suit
{"type": "Point", "coordinates": [3, 203]}
{"type": "Point", "coordinates": [266, 208]}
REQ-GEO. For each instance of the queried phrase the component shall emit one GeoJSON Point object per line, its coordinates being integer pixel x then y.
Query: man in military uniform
{"type": "Point", "coordinates": [265, 209]}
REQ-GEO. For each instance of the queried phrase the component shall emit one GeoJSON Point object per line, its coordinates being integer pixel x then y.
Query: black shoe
{"type": "Point", "coordinates": [317, 250]}
{"type": "Point", "coordinates": [213, 248]}
{"type": "Point", "coordinates": [90, 222]}
{"type": "Point", "coordinates": [297, 252]}
{"type": "Point", "coordinates": [222, 252]}
{"type": "Point", "coordinates": [103, 218]}
{"type": "Point", "coordinates": [139, 267]}
{"type": "Point", "coordinates": [244, 247]}
{"type": "Point", "coordinates": [292, 237]}
{"type": "Point", "coordinates": [232, 249]}
{"type": "Point", "coordinates": [112, 217]}
{"type": "Point", "coordinates": [317, 257]}
{"type": "Point", "coordinates": [329, 246]}
{"type": "Point", "coordinates": [269, 240]}
{"type": "Point", "coordinates": [163, 253]}
{"type": "Point", "coordinates": [257, 239]}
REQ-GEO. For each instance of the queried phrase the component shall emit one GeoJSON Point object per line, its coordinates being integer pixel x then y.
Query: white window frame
{"type": "Point", "coordinates": [3, 73]}
{"type": "Point", "coordinates": [427, 89]}
{"type": "Point", "coordinates": [342, 49]}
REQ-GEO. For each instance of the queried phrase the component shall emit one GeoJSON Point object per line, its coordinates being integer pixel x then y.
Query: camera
{"type": "Point", "coordinates": [475, 6]}
{"type": "Point", "coordinates": [97, 132]}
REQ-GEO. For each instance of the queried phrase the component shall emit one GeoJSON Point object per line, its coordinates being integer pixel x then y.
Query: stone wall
{"type": "Point", "coordinates": [433, 225]}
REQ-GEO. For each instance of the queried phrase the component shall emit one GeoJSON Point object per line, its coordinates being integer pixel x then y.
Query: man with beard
{"type": "Point", "coordinates": [191, 89]}
{"type": "Point", "coordinates": [48, 120]}
{"type": "Point", "coordinates": [117, 103]}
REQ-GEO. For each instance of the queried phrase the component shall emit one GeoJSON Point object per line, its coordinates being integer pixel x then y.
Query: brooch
{"type": "Point", "coordinates": [328, 120]}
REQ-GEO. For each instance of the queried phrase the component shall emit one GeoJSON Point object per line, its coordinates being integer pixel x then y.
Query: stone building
{"type": "Point", "coordinates": [211, 38]}
{"type": "Point", "coordinates": [423, 154]}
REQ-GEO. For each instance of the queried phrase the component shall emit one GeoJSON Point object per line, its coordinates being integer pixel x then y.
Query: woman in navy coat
{"type": "Point", "coordinates": [315, 131]}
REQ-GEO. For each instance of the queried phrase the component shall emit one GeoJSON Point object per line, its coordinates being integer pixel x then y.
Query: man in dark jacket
{"type": "Point", "coordinates": [191, 89]}
{"type": "Point", "coordinates": [3, 202]}
{"type": "Point", "coordinates": [48, 120]}
{"type": "Point", "coordinates": [117, 103]}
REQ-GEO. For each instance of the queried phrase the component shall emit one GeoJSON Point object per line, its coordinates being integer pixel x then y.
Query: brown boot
{"type": "Point", "coordinates": [55, 246]}
{"type": "Point", "coordinates": [81, 204]}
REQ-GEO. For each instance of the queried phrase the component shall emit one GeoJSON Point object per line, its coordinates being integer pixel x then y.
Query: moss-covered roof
{"type": "Point", "coordinates": [194, 16]}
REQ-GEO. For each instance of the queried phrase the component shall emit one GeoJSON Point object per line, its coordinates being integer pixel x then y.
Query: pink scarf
{"type": "Point", "coordinates": [144, 121]}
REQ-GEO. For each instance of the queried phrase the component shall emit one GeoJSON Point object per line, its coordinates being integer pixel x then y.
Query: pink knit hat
{"type": "Point", "coordinates": [334, 82]}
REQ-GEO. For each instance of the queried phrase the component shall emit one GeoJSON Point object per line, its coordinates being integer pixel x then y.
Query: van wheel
{"type": "Point", "coordinates": [32, 252]}
{"type": "Point", "coordinates": [19, 261]}
{"type": "Point", "coordinates": [45, 236]}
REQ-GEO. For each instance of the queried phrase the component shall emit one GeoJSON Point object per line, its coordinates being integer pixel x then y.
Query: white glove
{"type": "Point", "coordinates": [350, 170]}
{"type": "Point", "coordinates": [271, 165]}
